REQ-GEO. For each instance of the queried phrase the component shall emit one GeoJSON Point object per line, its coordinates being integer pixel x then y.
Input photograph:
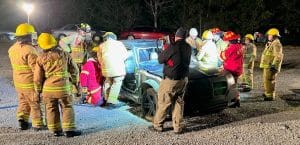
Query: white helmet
{"type": "Point", "coordinates": [193, 32]}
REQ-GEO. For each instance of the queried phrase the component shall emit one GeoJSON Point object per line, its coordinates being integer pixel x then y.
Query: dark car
{"type": "Point", "coordinates": [205, 92]}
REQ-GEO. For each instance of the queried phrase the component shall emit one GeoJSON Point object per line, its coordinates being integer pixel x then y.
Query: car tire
{"type": "Point", "coordinates": [130, 37]}
{"type": "Point", "coordinates": [149, 99]}
{"type": "Point", "coordinates": [61, 36]}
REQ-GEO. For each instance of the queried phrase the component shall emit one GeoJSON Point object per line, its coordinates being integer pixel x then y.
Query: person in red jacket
{"type": "Point", "coordinates": [91, 81]}
{"type": "Point", "coordinates": [233, 61]}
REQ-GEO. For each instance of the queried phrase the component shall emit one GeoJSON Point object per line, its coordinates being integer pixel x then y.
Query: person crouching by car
{"type": "Point", "coordinates": [91, 81]}
{"type": "Point", "coordinates": [233, 62]}
{"type": "Point", "coordinates": [176, 60]}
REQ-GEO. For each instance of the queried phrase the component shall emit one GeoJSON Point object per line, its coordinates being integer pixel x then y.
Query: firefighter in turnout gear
{"type": "Point", "coordinates": [271, 61]}
{"type": "Point", "coordinates": [76, 44]}
{"type": "Point", "coordinates": [248, 66]}
{"type": "Point", "coordinates": [54, 73]}
{"type": "Point", "coordinates": [23, 56]}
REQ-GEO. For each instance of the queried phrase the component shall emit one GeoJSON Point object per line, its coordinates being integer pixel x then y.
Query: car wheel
{"type": "Point", "coordinates": [130, 37]}
{"type": "Point", "coordinates": [61, 36]}
{"type": "Point", "coordinates": [149, 99]}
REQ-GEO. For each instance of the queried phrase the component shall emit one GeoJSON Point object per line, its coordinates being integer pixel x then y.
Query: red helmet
{"type": "Point", "coordinates": [215, 30]}
{"type": "Point", "coordinates": [229, 35]}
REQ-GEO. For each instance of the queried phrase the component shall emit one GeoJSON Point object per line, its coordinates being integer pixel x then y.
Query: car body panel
{"type": "Point", "coordinates": [204, 91]}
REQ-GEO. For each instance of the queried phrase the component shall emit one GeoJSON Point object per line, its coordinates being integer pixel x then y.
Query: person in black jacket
{"type": "Point", "coordinates": [176, 60]}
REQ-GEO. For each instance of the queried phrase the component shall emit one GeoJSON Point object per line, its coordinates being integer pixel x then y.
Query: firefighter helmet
{"type": "Point", "coordinates": [85, 27]}
{"type": "Point", "coordinates": [46, 41]}
{"type": "Point", "coordinates": [110, 35]}
{"type": "Point", "coordinates": [229, 35]}
{"type": "Point", "coordinates": [250, 36]}
{"type": "Point", "coordinates": [215, 30]}
{"type": "Point", "coordinates": [193, 32]}
{"type": "Point", "coordinates": [24, 29]}
{"type": "Point", "coordinates": [207, 35]}
{"type": "Point", "coordinates": [273, 31]}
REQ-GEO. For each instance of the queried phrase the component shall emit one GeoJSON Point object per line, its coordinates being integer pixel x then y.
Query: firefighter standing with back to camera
{"type": "Point", "coordinates": [112, 55]}
{"type": "Point", "coordinates": [23, 59]}
{"type": "Point", "coordinates": [176, 60]}
{"type": "Point", "coordinates": [271, 61]}
{"type": "Point", "coordinates": [54, 73]}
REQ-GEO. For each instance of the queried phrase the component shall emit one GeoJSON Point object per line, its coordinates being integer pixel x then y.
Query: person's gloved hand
{"type": "Point", "coordinates": [84, 90]}
{"type": "Point", "coordinates": [273, 69]}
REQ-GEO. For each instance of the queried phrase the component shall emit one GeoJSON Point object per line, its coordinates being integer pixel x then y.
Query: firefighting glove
{"type": "Point", "coordinates": [273, 69]}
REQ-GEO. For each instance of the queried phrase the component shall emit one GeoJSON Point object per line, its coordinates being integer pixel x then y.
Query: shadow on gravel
{"type": "Point", "coordinates": [7, 107]}
{"type": "Point", "coordinates": [250, 108]}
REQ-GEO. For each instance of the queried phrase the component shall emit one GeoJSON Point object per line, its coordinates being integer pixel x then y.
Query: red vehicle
{"type": "Point", "coordinates": [144, 33]}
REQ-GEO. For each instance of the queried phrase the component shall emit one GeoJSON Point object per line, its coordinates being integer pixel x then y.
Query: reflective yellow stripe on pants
{"type": "Point", "coordinates": [24, 85]}
{"type": "Point", "coordinates": [20, 67]}
{"type": "Point", "coordinates": [54, 127]}
{"type": "Point", "coordinates": [23, 116]}
{"type": "Point", "coordinates": [57, 89]}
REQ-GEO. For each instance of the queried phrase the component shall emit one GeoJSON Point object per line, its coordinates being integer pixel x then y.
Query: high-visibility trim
{"type": "Point", "coordinates": [20, 67]}
{"type": "Point", "coordinates": [58, 74]}
{"type": "Point", "coordinates": [24, 85]}
{"type": "Point", "coordinates": [74, 49]}
{"type": "Point", "coordinates": [37, 122]}
{"type": "Point", "coordinates": [264, 65]}
{"type": "Point", "coordinates": [85, 72]}
{"type": "Point", "coordinates": [96, 90]}
{"type": "Point", "coordinates": [55, 126]}
{"type": "Point", "coordinates": [57, 89]}
{"type": "Point", "coordinates": [77, 60]}
{"type": "Point", "coordinates": [23, 116]}
{"type": "Point", "coordinates": [70, 125]}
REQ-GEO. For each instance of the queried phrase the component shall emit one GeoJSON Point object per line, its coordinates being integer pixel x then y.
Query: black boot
{"type": "Point", "coordinates": [23, 125]}
{"type": "Point", "coordinates": [235, 103]}
{"type": "Point", "coordinates": [58, 133]}
{"type": "Point", "coordinates": [72, 133]}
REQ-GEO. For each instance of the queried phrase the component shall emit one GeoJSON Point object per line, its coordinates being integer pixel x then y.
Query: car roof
{"type": "Point", "coordinates": [142, 43]}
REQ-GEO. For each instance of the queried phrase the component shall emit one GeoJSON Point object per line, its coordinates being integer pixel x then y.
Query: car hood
{"type": "Point", "coordinates": [154, 68]}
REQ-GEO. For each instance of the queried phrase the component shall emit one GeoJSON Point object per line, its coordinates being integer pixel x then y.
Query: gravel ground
{"type": "Point", "coordinates": [256, 122]}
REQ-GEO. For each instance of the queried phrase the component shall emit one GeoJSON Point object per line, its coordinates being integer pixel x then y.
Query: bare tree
{"type": "Point", "coordinates": [156, 6]}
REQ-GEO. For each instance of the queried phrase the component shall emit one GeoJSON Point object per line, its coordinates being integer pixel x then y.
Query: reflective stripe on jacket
{"type": "Point", "coordinates": [54, 72]}
{"type": "Point", "coordinates": [272, 55]}
{"type": "Point", "coordinates": [23, 60]}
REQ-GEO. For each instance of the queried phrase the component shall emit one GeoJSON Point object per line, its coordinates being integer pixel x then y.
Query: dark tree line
{"type": "Point", "coordinates": [116, 15]}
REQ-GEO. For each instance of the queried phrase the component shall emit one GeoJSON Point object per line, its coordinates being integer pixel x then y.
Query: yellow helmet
{"type": "Point", "coordinates": [207, 35]}
{"type": "Point", "coordinates": [46, 41]}
{"type": "Point", "coordinates": [110, 35]}
{"type": "Point", "coordinates": [95, 49]}
{"type": "Point", "coordinates": [273, 31]}
{"type": "Point", "coordinates": [24, 29]}
{"type": "Point", "coordinates": [250, 36]}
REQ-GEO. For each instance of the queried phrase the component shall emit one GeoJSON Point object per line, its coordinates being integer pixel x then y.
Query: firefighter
{"type": "Point", "coordinates": [221, 45]}
{"type": "Point", "coordinates": [208, 55]}
{"type": "Point", "coordinates": [271, 61]}
{"type": "Point", "coordinates": [233, 62]}
{"type": "Point", "coordinates": [75, 44]}
{"type": "Point", "coordinates": [23, 56]}
{"type": "Point", "coordinates": [54, 73]}
{"type": "Point", "coordinates": [112, 55]}
{"type": "Point", "coordinates": [248, 66]}
{"type": "Point", "coordinates": [193, 40]}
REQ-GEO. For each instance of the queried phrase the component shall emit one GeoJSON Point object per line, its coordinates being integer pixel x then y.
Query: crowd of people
{"type": "Point", "coordinates": [52, 72]}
